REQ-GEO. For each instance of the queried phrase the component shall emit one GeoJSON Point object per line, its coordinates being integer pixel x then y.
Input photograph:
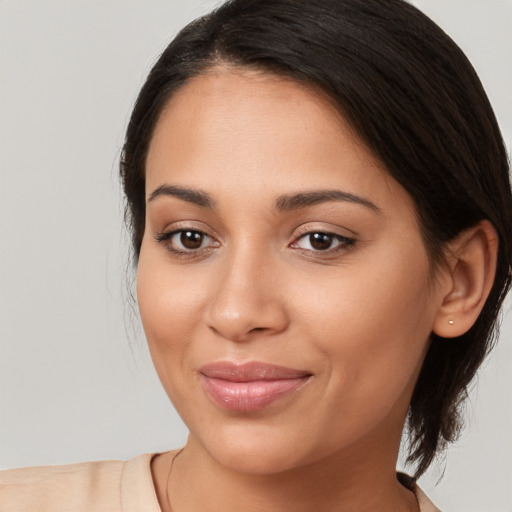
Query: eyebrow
{"type": "Point", "coordinates": [186, 194]}
{"type": "Point", "coordinates": [304, 199]}
{"type": "Point", "coordinates": [285, 202]}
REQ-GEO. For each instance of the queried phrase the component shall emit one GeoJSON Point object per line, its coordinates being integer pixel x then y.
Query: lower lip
{"type": "Point", "coordinates": [249, 396]}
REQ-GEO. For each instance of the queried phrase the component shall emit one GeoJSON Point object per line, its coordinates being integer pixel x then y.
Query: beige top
{"type": "Point", "coordinates": [107, 486]}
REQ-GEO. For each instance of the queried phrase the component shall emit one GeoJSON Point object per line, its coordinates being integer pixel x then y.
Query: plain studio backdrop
{"type": "Point", "coordinates": [76, 381]}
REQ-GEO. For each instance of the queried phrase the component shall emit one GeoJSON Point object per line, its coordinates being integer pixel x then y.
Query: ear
{"type": "Point", "coordinates": [470, 271]}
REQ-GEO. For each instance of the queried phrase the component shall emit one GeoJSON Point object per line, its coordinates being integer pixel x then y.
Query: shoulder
{"type": "Point", "coordinates": [90, 486]}
{"type": "Point", "coordinates": [75, 487]}
{"type": "Point", "coordinates": [424, 503]}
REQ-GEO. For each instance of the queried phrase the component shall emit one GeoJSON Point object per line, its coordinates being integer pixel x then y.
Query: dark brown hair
{"type": "Point", "coordinates": [413, 97]}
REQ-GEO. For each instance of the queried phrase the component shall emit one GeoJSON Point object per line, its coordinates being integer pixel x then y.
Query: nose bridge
{"type": "Point", "coordinates": [246, 299]}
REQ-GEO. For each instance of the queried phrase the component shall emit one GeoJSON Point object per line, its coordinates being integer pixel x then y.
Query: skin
{"type": "Point", "coordinates": [356, 316]}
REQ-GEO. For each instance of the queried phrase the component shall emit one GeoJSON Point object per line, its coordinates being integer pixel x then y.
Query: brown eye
{"type": "Point", "coordinates": [318, 241]}
{"type": "Point", "coordinates": [186, 241]}
{"type": "Point", "coordinates": [321, 241]}
{"type": "Point", "coordinates": [191, 239]}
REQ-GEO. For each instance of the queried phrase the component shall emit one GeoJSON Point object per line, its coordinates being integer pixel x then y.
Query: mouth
{"type": "Point", "coordinates": [250, 386]}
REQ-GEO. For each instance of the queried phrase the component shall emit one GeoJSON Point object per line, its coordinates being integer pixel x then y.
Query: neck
{"type": "Point", "coordinates": [336, 483]}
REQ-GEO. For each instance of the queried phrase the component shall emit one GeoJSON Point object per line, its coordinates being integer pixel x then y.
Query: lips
{"type": "Point", "coordinates": [250, 386]}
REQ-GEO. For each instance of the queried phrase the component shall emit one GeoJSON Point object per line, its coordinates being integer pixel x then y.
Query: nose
{"type": "Point", "coordinates": [247, 300]}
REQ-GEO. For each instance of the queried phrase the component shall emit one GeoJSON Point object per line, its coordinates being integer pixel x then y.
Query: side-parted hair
{"type": "Point", "coordinates": [413, 97]}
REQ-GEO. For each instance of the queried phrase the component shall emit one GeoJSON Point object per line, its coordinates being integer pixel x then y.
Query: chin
{"type": "Point", "coordinates": [255, 463]}
{"type": "Point", "coordinates": [256, 454]}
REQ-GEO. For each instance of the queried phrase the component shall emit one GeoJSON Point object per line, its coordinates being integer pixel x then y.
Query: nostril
{"type": "Point", "coordinates": [257, 329]}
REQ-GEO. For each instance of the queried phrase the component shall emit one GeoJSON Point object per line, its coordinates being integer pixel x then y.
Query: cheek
{"type": "Point", "coordinates": [170, 309]}
{"type": "Point", "coordinates": [167, 298]}
{"type": "Point", "coordinates": [373, 325]}
{"type": "Point", "coordinates": [368, 300]}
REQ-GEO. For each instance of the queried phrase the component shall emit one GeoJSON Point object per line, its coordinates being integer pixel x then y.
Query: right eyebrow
{"type": "Point", "coordinates": [288, 202]}
{"type": "Point", "coordinates": [186, 194]}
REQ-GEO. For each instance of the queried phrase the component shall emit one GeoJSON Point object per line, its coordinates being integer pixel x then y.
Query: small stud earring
{"type": "Point", "coordinates": [450, 322]}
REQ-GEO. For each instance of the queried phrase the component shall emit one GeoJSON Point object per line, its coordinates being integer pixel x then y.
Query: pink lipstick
{"type": "Point", "coordinates": [250, 386]}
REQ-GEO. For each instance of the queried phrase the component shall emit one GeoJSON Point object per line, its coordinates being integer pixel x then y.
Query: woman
{"type": "Point", "coordinates": [320, 207]}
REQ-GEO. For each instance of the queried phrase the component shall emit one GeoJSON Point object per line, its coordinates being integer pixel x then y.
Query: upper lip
{"type": "Point", "coordinates": [250, 371]}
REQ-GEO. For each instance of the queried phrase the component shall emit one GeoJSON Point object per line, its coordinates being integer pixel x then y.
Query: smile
{"type": "Point", "coordinates": [250, 386]}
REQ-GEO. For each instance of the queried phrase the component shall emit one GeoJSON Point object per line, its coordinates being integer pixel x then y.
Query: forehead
{"type": "Point", "coordinates": [230, 130]}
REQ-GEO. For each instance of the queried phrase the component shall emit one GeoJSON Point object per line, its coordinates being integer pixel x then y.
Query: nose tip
{"type": "Point", "coordinates": [246, 304]}
{"type": "Point", "coordinates": [242, 325]}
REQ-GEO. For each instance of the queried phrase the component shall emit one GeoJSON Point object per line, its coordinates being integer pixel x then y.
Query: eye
{"type": "Point", "coordinates": [189, 240]}
{"type": "Point", "coordinates": [186, 240]}
{"type": "Point", "coordinates": [319, 241]}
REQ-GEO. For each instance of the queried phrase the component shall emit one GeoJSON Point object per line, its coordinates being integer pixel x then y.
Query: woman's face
{"type": "Point", "coordinates": [284, 287]}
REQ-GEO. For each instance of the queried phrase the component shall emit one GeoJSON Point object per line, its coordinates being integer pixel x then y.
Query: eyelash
{"type": "Point", "coordinates": [344, 243]}
{"type": "Point", "coordinates": [166, 240]}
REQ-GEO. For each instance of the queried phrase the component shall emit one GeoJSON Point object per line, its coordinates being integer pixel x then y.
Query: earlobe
{"type": "Point", "coordinates": [472, 266]}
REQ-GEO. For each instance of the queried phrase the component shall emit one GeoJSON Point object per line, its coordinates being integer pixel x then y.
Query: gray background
{"type": "Point", "coordinates": [76, 382]}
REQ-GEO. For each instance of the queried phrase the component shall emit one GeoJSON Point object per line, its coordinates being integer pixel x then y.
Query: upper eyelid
{"type": "Point", "coordinates": [324, 232]}
{"type": "Point", "coordinates": [190, 225]}
{"type": "Point", "coordinates": [335, 230]}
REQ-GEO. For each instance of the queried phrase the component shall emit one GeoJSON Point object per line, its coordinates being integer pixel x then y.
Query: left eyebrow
{"type": "Point", "coordinates": [186, 194]}
{"type": "Point", "coordinates": [304, 199]}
